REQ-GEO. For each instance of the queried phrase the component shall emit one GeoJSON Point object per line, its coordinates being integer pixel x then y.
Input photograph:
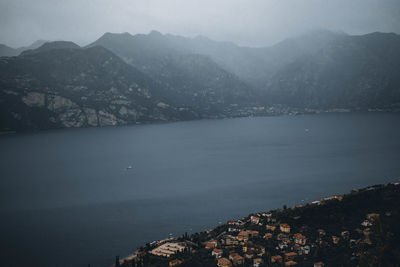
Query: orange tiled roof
{"type": "Point", "coordinates": [224, 262]}
{"type": "Point", "coordinates": [175, 262]}
{"type": "Point", "coordinates": [237, 257]}
{"type": "Point", "coordinates": [298, 235]}
{"type": "Point", "coordinates": [210, 245]}
{"type": "Point", "coordinates": [290, 254]}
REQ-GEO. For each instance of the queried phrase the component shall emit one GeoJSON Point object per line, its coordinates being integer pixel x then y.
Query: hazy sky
{"type": "Point", "coordinates": [246, 22]}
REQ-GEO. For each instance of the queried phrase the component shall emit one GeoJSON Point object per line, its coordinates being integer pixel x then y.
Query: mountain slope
{"type": "Point", "coordinates": [165, 77]}
{"type": "Point", "coordinates": [51, 46]}
{"type": "Point", "coordinates": [187, 77]}
{"type": "Point", "coordinates": [6, 51]}
{"type": "Point", "coordinates": [348, 72]}
{"type": "Point", "coordinates": [252, 65]}
{"type": "Point", "coordinates": [75, 88]}
{"type": "Point", "coordinates": [320, 69]}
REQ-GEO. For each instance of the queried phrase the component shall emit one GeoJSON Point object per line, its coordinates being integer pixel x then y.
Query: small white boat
{"type": "Point", "coordinates": [129, 167]}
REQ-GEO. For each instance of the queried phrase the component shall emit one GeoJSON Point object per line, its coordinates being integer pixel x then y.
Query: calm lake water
{"type": "Point", "coordinates": [67, 199]}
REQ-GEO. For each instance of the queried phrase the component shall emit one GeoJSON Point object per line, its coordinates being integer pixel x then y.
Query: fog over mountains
{"type": "Point", "coordinates": [9, 51]}
{"type": "Point", "coordinates": [125, 79]}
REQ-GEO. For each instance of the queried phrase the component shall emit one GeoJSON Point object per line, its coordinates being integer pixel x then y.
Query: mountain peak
{"type": "Point", "coordinates": [51, 46]}
{"type": "Point", "coordinates": [107, 35]}
{"type": "Point", "coordinates": [381, 35]}
{"type": "Point", "coordinates": [155, 33]}
{"type": "Point", "coordinates": [37, 44]}
{"type": "Point", "coordinates": [110, 36]}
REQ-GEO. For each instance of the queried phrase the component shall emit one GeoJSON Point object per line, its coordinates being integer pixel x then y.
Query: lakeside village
{"type": "Point", "coordinates": [358, 229]}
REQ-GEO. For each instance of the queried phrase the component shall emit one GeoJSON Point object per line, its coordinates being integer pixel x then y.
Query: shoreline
{"type": "Point", "coordinates": [297, 113]}
{"type": "Point", "coordinates": [252, 219]}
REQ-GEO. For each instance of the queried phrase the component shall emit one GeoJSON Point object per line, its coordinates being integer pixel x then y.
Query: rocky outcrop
{"type": "Point", "coordinates": [76, 87]}
{"type": "Point", "coordinates": [107, 119]}
{"type": "Point", "coordinates": [91, 117]}
{"type": "Point", "coordinates": [34, 99]}
{"type": "Point", "coordinates": [73, 117]}
{"type": "Point", "coordinates": [56, 103]}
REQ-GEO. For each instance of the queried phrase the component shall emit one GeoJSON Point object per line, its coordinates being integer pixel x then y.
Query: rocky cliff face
{"type": "Point", "coordinates": [74, 87]}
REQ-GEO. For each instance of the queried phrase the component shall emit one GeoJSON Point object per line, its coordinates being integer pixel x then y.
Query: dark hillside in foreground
{"type": "Point", "coordinates": [358, 229]}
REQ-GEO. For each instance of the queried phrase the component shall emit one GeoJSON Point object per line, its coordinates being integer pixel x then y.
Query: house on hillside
{"type": "Point", "coordinates": [290, 256]}
{"type": "Point", "coordinates": [276, 258]}
{"type": "Point", "coordinates": [168, 249]}
{"type": "Point", "coordinates": [224, 262]}
{"type": "Point", "coordinates": [237, 259]}
{"type": "Point", "coordinates": [257, 262]}
{"type": "Point", "coordinates": [300, 239]}
{"type": "Point", "coordinates": [268, 236]}
{"type": "Point", "coordinates": [255, 219]}
{"type": "Point", "coordinates": [335, 240]}
{"type": "Point", "coordinates": [243, 236]}
{"type": "Point", "coordinates": [175, 262]}
{"type": "Point", "coordinates": [284, 227]}
{"type": "Point", "coordinates": [217, 252]}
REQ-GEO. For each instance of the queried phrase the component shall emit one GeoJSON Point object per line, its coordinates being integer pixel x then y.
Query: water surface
{"type": "Point", "coordinates": [67, 199]}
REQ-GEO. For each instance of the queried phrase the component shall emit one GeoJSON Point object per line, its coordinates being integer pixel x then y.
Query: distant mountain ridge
{"type": "Point", "coordinates": [355, 72]}
{"type": "Point", "coordinates": [320, 69]}
{"type": "Point", "coordinates": [51, 46]}
{"type": "Point", "coordinates": [6, 51]}
{"type": "Point", "coordinates": [188, 78]}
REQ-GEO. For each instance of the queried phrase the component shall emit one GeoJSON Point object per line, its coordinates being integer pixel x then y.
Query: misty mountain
{"type": "Point", "coordinates": [124, 79]}
{"type": "Point", "coordinates": [74, 87]}
{"type": "Point", "coordinates": [187, 77]}
{"type": "Point", "coordinates": [6, 51]}
{"type": "Point", "coordinates": [320, 69]}
{"type": "Point", "coordinates": [254, 66]}
{"type": "Point", "coordinates": [51, 46]}
{"type": "Point", "coordinates": [354, 72]}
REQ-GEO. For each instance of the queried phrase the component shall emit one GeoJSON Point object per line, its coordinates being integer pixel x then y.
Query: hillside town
{"type": "Point", "coordinates": [357, 229]}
